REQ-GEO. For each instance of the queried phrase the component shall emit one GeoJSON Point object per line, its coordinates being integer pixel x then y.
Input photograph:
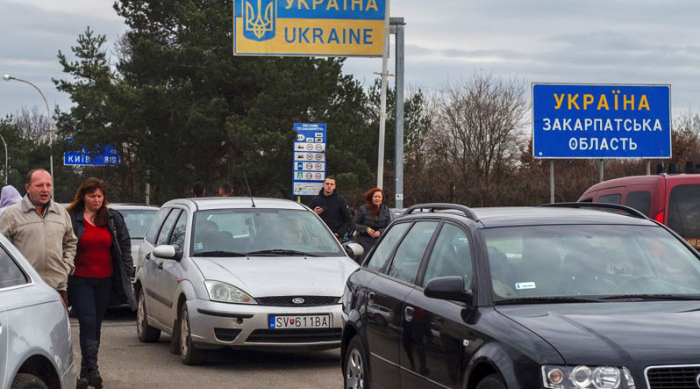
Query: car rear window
{"type": "Point", "coordinates": [10, 273]}
{"type": "Point", "coordinates": [610, 199]}
{"type": "Point", "coordinates": [684, 211]}
{"type": "Point", "coordinates": [639, 201]}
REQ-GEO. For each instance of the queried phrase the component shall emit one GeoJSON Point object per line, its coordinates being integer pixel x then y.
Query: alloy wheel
{"type": "Point", "coordinates": [354, 371]}
{"type": "Point", "coordinates": [140, 316]}
{"type": "Point", "coordinates": [184, 333]}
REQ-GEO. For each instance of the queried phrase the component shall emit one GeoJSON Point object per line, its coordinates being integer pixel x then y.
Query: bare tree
{"type": "Point", "coordinates": [34, 125]}
{"type": "Point", "coordinates": [480, 125]}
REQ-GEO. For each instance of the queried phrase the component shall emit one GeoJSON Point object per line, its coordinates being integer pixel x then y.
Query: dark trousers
{"type": "Point", "coordinates": [89, 298]}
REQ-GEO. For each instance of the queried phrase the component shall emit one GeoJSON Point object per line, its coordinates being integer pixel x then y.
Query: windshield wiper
{"type": "Point", "coordinates": [652, 297]}
{"type": "Point", "coordinates": [219, 253]}
{"type": "Point", "coordinates": [282, 252]}
{"type": "Point", "coordinates": [548, 300]}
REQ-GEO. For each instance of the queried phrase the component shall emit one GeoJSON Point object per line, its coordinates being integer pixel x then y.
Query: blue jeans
{"type": "Point", "coordinates": [89, 298]}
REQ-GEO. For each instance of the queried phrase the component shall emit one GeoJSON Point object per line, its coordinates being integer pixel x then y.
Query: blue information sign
{"type": "Point", "coordinates": [309, 165]}
{"type": "Point", "coordinates": [109, 157]}
{"type": "Point", "coordinates": [601, 121]}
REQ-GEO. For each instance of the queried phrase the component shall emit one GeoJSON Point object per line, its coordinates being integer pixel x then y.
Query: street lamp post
{"type": "Point", "coordinates": [8, 77]}
{"type": "Point", "coordinates": [6, 166]}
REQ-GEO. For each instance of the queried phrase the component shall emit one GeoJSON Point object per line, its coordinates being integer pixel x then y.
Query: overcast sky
{"type": "Point", "coordinates": [593, 41]}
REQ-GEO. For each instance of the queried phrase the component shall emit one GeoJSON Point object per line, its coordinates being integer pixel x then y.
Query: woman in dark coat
{"type": "Point", "coordinates": [371, 220]}
{"type": "Point", "coordinates": [103, 270]}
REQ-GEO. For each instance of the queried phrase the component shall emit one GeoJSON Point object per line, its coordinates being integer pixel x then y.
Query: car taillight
{"type": "Point", "coordinates": [660, 217]}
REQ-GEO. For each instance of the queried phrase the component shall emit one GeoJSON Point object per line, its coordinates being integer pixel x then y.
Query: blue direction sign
{"type": "Point", "coordinates": [309, 165]}
{"type": "Point", "coordinates": [601, 121]}
{"type": "Point", "coordinates": [109, 157]}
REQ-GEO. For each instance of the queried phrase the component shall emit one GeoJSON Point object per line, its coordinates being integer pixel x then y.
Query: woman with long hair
{"type": "Point", "coordinates": [371, 219]}
{"type": "Point", "coordinates": [103, 270]}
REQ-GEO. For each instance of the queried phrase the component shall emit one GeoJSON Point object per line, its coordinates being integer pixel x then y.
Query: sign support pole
{"type": "Point", "coordinates": [397, 27]}
{"type": "Point", "coordinates": [382, 109]}
{"type": "Point", "coordinates": [601, 171]}
{"type": "Point", "coordinates": [648, 167]}
{"type": "Point", "coordinates": [551, 182]}
{"type": "Point", "coordinates": [148, 187]}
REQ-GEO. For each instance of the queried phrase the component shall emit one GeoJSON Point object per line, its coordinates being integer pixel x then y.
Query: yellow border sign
{"type": "Point", "coordinates": [338, 28]}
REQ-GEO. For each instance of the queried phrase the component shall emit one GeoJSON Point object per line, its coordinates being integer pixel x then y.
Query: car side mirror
{"type": "Point", "coordinates": [165, 251]}
{"type": "Point", "coordinates": [448, 288]}
{"type": "Point", "coordinates": [354, 250]}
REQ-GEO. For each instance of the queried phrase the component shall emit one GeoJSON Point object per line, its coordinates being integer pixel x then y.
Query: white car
{"type": "Point", "coordinates": [138, 218]}
{"type": "Point", "coordinates": [35, 335]}
{"type": "Point", "coordinates": [241, 273]}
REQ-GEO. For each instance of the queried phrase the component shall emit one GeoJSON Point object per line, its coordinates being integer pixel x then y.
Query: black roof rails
{"type": "Point", "coordinates": [630, 211]}
{"type": "Point", "coordinates": [444, 206]}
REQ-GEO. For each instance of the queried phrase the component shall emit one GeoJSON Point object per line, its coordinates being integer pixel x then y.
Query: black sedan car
{"type": "Point", "coordinates": [564, 296]}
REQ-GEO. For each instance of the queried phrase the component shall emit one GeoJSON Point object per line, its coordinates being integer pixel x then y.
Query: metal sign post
{"type": "Point", "coordinates": [382, 99]}
{"type": "Point", "coordinates": [309, 165]}
{"type": "Point", "coordinates": [551, 182]}
{"type": "Point", "coordinates": [397, 27]}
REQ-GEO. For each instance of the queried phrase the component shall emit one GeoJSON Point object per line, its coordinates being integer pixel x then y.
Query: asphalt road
{"type": "Point", "coordinates": [126, 363]}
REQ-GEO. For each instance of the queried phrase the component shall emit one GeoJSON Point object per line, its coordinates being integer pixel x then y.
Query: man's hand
{"type": "Point", "coordinates": [319, 210]}
{"type": "Point", "coordinates": [337, 236]}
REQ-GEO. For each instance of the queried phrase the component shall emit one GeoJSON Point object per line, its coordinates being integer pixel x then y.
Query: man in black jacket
{"type": "Point", "coordinates": [332, 208]}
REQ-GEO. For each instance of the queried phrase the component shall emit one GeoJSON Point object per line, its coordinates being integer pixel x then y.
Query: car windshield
{"type": "Point", "coordinates": [266, 232]}
{"type": "Point", "coordinates": [138, 221]}
{"type": "Point", "coordinates": [557, 263]}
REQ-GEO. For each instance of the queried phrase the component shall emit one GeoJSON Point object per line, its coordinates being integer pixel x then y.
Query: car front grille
{"type": "Point", "coordinates": [295, 336]}
{"type": "Point", "coordinates": [673, 377]}
{"type": "Point", "coordinates": [288, 301]}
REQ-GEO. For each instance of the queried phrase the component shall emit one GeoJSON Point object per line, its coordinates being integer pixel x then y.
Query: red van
{"type": "Point", "coordinates": [672, 199]}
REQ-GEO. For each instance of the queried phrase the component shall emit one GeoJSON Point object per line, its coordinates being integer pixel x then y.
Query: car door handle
{"type": "Point", "coordinates": [408, 313]}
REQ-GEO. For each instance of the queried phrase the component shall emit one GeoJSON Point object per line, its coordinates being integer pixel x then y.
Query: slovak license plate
{"type": "Point", "coordinates": [287, 322]}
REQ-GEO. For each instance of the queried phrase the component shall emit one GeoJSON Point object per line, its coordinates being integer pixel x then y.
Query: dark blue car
{"type": "Point", "coordinates": [523, 298]}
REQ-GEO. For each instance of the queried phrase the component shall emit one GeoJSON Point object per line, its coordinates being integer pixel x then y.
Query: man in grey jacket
{"type": "Point", "coordinates": [42, 231]}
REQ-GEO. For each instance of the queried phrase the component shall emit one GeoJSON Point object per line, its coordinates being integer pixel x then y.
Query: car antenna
{"type": "Point", "coordinates": [248, 187]}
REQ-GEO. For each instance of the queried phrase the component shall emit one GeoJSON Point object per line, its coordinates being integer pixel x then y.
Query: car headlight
{"type": "Point", "coordinates": [225, 293]}
{"type": "Point", "coordinates": [585, 377]}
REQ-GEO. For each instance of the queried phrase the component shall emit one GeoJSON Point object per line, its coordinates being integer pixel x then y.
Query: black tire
{"type": "Point", "coordinates": [355, 373]}
{"type": "Point", "coordinates": [28, 381]}
{"type": "Point", "coordinates": [146, 333]}
{"type": "Point", "coordinates": [175, 338]}
{"type": "Point", "coordinates": [492, 381]}
{"type": "Point", "coordinates": [189, 354]}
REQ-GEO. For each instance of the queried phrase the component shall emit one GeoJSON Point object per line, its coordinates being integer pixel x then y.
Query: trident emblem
{"type": "Point", "coordinates": [260, 22]}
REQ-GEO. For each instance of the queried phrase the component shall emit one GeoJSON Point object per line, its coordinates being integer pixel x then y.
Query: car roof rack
{"type": "Point", "coordinates": [431, 207]}
{"type": "Point", "coordinates": [630, 211]}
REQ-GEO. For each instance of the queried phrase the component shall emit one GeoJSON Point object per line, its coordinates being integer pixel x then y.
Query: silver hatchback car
{"type": "Point", "coordinates": [241, 273]}
{"type": "Point", "coordinates": [35, 335]}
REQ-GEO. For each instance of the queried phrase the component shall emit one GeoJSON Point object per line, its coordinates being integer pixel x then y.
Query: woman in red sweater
{"type": "Point", "coordinates": [103, 271]}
